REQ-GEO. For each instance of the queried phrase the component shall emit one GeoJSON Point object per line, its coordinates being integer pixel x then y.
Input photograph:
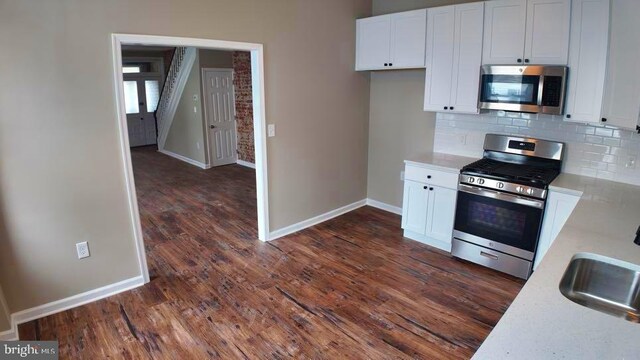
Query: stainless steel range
{"type": "Point", "coordinates": [501, 201]}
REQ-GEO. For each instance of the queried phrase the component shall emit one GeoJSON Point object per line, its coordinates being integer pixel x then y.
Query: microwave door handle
{"type": "Point", "coordinates": [540, 89]}
{"type": "Point", "coordinates": [538, 204]}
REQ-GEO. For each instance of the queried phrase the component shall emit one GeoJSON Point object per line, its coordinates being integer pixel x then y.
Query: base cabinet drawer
{"type": "Point", "coordinates": [432, 177]}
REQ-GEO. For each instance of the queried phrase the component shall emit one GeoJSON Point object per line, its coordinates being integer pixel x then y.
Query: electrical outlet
{"type": "Point", "coordinates": [271, 130]}
{"type": "Point", "coordinates": [401, 175]}
{"type": "Point", "coordinates": [198, 145]}
{"type": "Point", "coordinates": [631, 162]}
{"type": "Point", "coordinates": [83, 250]}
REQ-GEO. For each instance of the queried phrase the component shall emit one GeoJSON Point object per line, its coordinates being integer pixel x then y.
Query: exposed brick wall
{"type": "Point", "coordinates": [244, 105]}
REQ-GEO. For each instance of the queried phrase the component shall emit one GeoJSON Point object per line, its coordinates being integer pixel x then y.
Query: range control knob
{"type": "Point", "coordinates": [519, 189]}
{"type": "Point", "coordinates": [480, 181]}
{"type": "Point", "coordinates": [500, 185]}
{"type": "Point", "coordinates": [471, 179]}
{"type": "Point", "coordinates": [530, 191]}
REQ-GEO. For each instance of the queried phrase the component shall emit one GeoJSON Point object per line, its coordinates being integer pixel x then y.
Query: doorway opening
{"type": "Point", "coordinates": [144, 91]}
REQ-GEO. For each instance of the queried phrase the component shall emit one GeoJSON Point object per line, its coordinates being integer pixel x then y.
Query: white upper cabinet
{"type": "Point", "coordinates": [547, 34]}
{"type": "Point", "coordinates": [394, 41]}
{"type": "Point", "coordinates": [622, 85]}
{"type": "Point", "coordinates": [587, 60]}
{"type": "Point", "coordinates": [373, 41]}
{"type": "Point", "coordinates": [504, 28]}
{"type": "Point", "coordinates": [453, 58]}
{"type": "Point", "coordinates": [526, 32]}
{"type": "Point", "coordinates": [440, 38]}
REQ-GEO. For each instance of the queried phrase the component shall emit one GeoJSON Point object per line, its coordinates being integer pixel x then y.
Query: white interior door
{"type": "Point", "coordinates": [220, 116]}
{"type": "Point", "coordinates": [141, 100]}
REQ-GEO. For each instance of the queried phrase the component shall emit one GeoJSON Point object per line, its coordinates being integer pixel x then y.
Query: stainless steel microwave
{"type": "Point", "coordinates": [531, 88]}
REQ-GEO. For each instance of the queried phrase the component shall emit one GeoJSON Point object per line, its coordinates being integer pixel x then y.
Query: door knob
{"type": "Point", "coordinates": [212, 126]}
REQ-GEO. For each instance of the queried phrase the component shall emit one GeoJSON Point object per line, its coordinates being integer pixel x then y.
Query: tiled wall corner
{"type": "Point", "coordinates": [592, 150]}
{"type": "Point", "coordinates": [244, 105]}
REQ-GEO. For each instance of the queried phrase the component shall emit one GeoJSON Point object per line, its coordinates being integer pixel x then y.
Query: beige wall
{"type": "Point", "coordinates": [398, 126]}
{"type": "Point", "coordinates": [390, 6]}
{"type": "Point", "coordinates": [61, 172]}
{"type": "Point", "coordinates": [215, 59]}
{"type": "Point", "coordinates": [186, 135]}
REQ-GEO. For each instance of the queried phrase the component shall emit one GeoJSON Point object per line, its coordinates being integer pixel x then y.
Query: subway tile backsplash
{"type": "Point", "coordinates": [591, 150]}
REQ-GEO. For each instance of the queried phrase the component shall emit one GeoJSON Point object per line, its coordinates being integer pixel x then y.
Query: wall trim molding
{"type": "Point", "coordinates": [384, 206]}
{"type": "Point", "coordinates": [9, 335]}
{"type": "Point", "coordinates": [185, 159]}
{"type": "Point", "coordinates": [70, 302]}
{"type": "Point", "coordinates": [316, 220]}
{"type": "Point", "coordinates": [246, 163]}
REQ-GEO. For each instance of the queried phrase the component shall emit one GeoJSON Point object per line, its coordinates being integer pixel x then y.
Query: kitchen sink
{"type": "Point", "coordinates": [608, 285]}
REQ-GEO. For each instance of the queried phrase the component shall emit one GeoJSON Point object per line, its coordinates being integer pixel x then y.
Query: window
{"type": "Point", "coordinates": [131, 97]}
{"type": "Point", "coordinates": [130, 69]}
{"type": "Point", "coordinates": [152, 91]}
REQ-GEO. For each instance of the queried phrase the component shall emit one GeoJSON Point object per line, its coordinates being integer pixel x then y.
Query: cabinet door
{"type": "Point", "coordinates": [373, 36]}
{"type": "Point", "coordinates": [587, 60]}
{"type": "Point", "coordinates": [467, 57]}
{"type": "Point", "coordinates": [414, 207]}
{"type": "Point", "coordinates": [622, 89]}
{"type": "Point", "coordinates": [559, 208]}
{"type": "Point", "coordinates": [547, 34]}
{"type": "Point", "coordinates": [440, 44]}
{"type": "Point", "coordinates": [408, 31]}
{"type": "Point", "coordinates": [504, 30]}
{"type": "Point", "coordinates": [441, 213]}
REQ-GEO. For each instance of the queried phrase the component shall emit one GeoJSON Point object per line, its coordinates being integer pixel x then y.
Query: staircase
{"type": "Point", "coordinates": [179, 70]}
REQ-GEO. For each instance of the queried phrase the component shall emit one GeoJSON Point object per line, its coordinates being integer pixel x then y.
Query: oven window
{"type": "Point", "coordinates": [511, 89]}
{"type": "Point", "coordinates": [498, 220]}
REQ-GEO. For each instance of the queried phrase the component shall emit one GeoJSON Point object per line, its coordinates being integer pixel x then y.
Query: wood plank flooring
{"type": "Point", "coordinates": [349, 288]}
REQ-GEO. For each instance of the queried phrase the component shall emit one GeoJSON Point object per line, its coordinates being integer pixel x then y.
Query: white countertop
{"type": "Point", "coordinates": [541, 323]}
{"type": "Point", "coordinates": [445, 162]}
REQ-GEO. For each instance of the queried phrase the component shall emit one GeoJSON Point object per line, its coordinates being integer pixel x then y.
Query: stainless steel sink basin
{"type": "Point", "coordinates": [607, 285]}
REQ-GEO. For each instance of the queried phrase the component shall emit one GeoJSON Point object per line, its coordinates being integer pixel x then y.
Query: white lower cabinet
{"type": "Point", "coordinates": [559, 208]}
{"type": "Point", "coordinates": [428, 210]}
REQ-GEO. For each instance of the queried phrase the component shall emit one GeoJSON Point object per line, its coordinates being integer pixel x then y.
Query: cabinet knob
{"type": "Point", "coordinates": [568, 116]}
{"type": "Point", "coordinates": [385, 64]}
{"type": "Point", "coordinates": [425, 187]}
{"type": "Point", "coordinates": [604, 119]}
{"type": "Point", "coordinates": [451, 108]}
{"type": "Point", "coordinates": [430, 189]}
{"type": "Point", "coordinates": [446, 108]}
{"type": "Point", "coordinates": [428, 176]}
{"type": "Point", "coordinates": [390, 64]}
{"type": "Point", "coordinates": [519, 60]}
{"type": "Point", "coordinates": [526, 60]}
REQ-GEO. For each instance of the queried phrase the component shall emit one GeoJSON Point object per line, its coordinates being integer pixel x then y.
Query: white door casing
{"type": "Point", "coordinates": [220, 118]}
{"type": "Point", "coordinates": [259, 113]}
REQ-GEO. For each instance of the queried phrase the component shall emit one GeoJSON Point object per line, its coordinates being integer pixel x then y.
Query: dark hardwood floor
{"type": "Point", "coordinates": [351, 287]}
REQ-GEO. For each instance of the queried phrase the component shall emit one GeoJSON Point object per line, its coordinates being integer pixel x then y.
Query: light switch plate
{"type": "Point", "coordinates": [271, 130]}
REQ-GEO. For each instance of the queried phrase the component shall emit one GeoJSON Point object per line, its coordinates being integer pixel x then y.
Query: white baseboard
{"type": "Point", "coordinates": [54, 307]}
{"type": "Point", "coordinates": [9, 335]}
{"type": "Point", "coordinates": [384, 206]}
{"type": "Point", "coordinates": [185, 159]}
{"type": "Point", "coordinates": [246, 163]}
{"type": "Point", "coordinates": [315, 220]}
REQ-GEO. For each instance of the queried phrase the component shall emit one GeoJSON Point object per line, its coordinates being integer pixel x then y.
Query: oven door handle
{"type": "Point", "coordinates": [538, 204]}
